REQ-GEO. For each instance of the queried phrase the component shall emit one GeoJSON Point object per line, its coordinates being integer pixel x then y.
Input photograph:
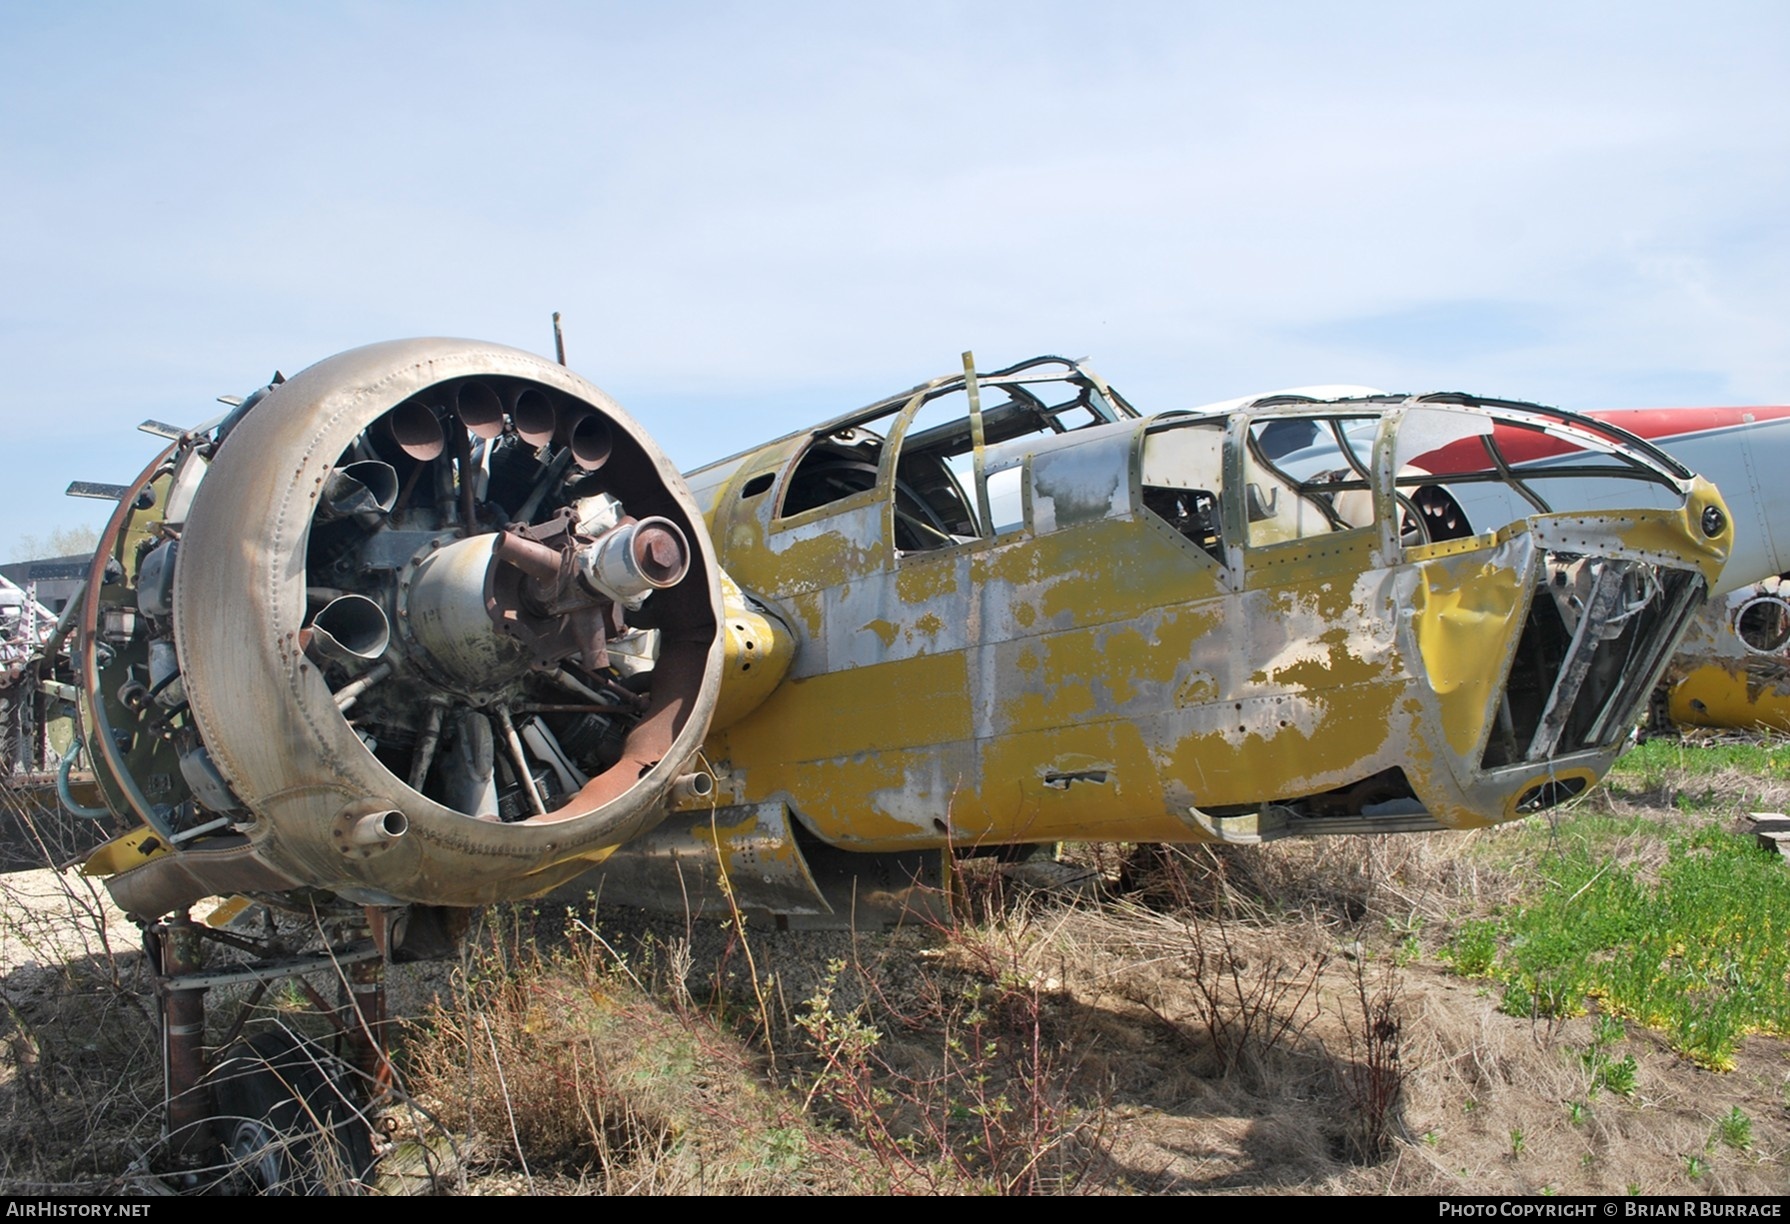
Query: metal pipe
{"type": "Point", "coordinates": [63, 793]}
{"type": "Point", "coordinates": [629, 698]}
{"type": "Point", "coordinates": [480, 410]}
{"type": "Point", "coordinates": [365, 492]}
{"type": "Point", "coordinates": [532, 416]}
{"type": "Point", "coordinates": [538, 707]}
{"type": "Point", "coordinates": [522, 769]}
{"type": "Point", "coordinates": [416, 430]}
{"type": "Point", "coordinates": [530, 556]}
{"type": "Point", "coordinates": [698, 785]}
{"type": "Point", "coordinates": [378, 829]}
{"type": "Point", "coordinates": [348, 694]}
{"type": "Point", "coordinates": [183, 1036]}
{"type": "Point", "coordinates": [366, 1029]}
{"type": "Point", "coordinates": [210, 826]}
{"type": "Point", "coordinates": [578, 686]}
{"type": "Point", "coordinates": [425, 747]}
{"type": "Point", "coordinates": [351, 631]}
{"type": "Point", "coordinates": [588, 436]}
{"type": "Point", "coordinates": [555, 470]}
{"type": "Point", "coordinates": [463, 463]}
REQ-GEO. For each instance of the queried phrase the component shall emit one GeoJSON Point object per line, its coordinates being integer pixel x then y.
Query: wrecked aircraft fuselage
{"type": "Point", "coordinates": [434, 622]}
{"type": "Point", "coordinates": [1066, 621]}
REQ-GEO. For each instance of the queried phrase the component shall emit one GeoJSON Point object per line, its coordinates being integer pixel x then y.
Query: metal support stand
{"type": "Point", "coordinates": [177, 952]}
{"type": "Point", "coordinates": [366, 1024]}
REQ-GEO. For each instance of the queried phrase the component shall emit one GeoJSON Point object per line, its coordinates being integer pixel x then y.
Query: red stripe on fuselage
{"type": "Point", "coordinates": [1657, 425]}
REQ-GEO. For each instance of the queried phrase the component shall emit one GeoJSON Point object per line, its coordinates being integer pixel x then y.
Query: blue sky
{"type": "Point", "coordinates": [757, 215]}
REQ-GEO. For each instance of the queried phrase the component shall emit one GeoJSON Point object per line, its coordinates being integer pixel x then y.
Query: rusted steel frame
{"type": "Point", "coordinates": [367, 1020]}
{"type": "Point", "coordinates": [330, 1012]}
{"type": "Point", "coordinates": [280, 970]}
{"type": "Point", "coordinates": [242, 943]}
{"type": "Point", "coordinates": [243, 1013]}
{"type": "Point", "coordinates": [177, 952]}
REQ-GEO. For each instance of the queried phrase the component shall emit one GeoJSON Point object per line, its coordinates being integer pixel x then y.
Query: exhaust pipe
{"type": "Point", "coordinates": [416, 430]}
{"type": "Point", "coordinates": [365, 492]}
{"type": "Point", "coordinates": [587, 435]}
{"type": "Point", "coordinates": [479, 410]}
{"type": "Point", "coordinates": [531, 413]}
{"type": "Point", "coordinates": [350, 631]}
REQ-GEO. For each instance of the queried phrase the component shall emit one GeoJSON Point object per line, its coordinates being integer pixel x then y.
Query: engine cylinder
{"type": "Point", "coordinates": [299, 737]}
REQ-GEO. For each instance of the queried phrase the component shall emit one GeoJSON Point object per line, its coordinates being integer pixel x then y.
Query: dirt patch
{"type": "Point", "coordinates": [1276, 1019]}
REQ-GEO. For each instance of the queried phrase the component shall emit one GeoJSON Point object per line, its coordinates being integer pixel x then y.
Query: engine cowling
{"type": "Point", "coordinates": [436, 622]}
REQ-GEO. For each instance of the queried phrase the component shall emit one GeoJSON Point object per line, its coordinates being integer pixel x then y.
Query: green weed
{"type": "Point", "coordinates": [1697, 952]}
{"type": "Point", "coordinates": [1474, 948]}
{"type": "Point", "coordinates": [1736, 1130]}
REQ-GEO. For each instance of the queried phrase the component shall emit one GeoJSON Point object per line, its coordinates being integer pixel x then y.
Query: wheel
{"type": "Point", "coordinates": [289, 1118]}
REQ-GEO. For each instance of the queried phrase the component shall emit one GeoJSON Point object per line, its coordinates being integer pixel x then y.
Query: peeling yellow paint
{"type": "Point", "coordinates": [917, 581]}
{"type": "Point", "coordinates": [759, 651]}
{"type": "Point", "coordinates": [1106, 676]}
{"type": "Point", "coordinates": [1466, 624]}
{"type": "Point", "coordinates": [1717, 696]}
{"type": "Point", "coordinates": [886, 631]}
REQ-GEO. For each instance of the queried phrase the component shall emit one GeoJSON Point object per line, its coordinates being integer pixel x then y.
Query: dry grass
{"type": "Point", "coordinates": [80, 1078]}
{"type": "Point", "coordinates": [1277, 1018]}
{"type": "Point", "coordinates": [584, 1073]}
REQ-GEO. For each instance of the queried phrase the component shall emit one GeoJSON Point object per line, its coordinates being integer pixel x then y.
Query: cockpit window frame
{"type": "Point", "coordinates": [1023, 413]}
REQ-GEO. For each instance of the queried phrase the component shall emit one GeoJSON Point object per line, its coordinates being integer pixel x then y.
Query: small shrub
{"type": "Point", "coordinates": [1736, 1130]}
{"type": "Point", "coordinates": [1374, 1078]}
{"type": "Point", "coordinates": [1474, 948]}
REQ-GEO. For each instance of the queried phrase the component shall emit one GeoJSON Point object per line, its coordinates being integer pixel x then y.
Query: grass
{"type": "Point", "coordinates": [1300, 1016]}
{"type": "Point", "coordinates": [1735, 1130]}
{"type": "Point", "coordinates": [1658, 760]}
{"type": "Point", "coordinates": [1694, 946]}
{"type": "Point", "coordinates": [585, 1068]}
{"type": "Point", "coordinates": [564, 1065]}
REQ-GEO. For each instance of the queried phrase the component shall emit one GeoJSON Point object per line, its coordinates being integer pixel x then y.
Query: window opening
{"type": "Point", "coordinates": [1182, 476]}
{"type": "Point", "coordinates": [935, 501]}
{"type": "Point", "coordinates": [1303, 476]}
{"type": "Point", "coordinates": [835, 466]}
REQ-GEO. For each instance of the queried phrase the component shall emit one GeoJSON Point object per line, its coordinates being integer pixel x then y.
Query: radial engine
{"type": "Point", "coordinates": [432, 621]}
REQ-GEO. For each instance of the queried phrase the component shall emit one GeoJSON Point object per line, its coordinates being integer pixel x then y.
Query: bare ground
{"type": "Point", "coordinates": [1140, 1043]}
